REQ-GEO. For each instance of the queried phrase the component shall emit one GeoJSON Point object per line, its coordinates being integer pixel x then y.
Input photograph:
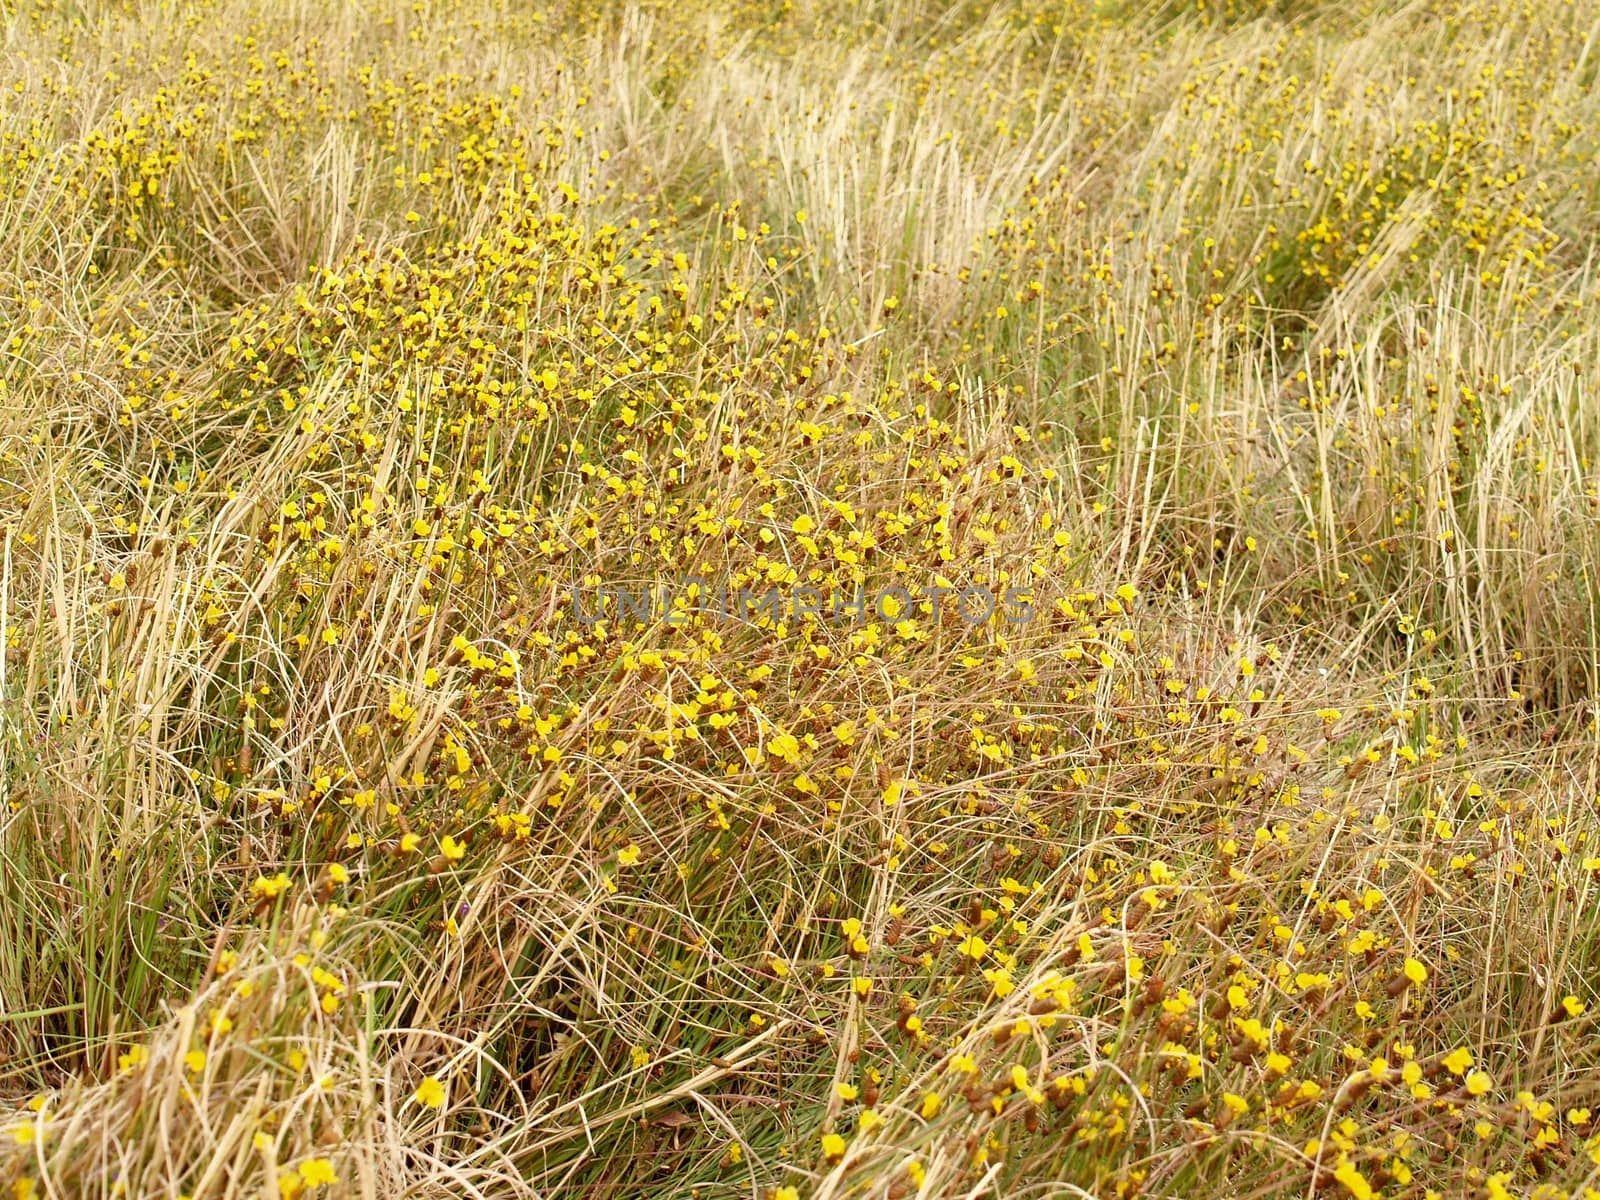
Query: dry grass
{"type": "Point", "coordinates": [1253, 348]}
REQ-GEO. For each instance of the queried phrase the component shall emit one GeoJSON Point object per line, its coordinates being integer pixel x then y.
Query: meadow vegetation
{"type": "Point", "coordinates": [1254, 344]}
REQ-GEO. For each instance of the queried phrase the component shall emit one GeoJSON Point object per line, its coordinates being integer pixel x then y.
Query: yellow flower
{"type": "Point", "coordinates": [270, 889]}
{"type": "Point", "coordinates": [1457, 1061]}
{"type": "Point", "coordinates": [452, 849]}
{"type": "Point", "coordinates": [1354, 1182]}
{"type": "Point", "coordinates": [430, 1092]}
{"type": "Point", "coordinates": [974, 947]}
{"type": "Point", "coordinates": [195, 1060]}
{"type": "Point", "coordinates": [317, 1171]}
{"type": "Point", "coordinates": [628, 855]}
{"type": "Point", "coordinates": [1415, 972]}
{"type": "Point", "coordinates": [832, 1147]}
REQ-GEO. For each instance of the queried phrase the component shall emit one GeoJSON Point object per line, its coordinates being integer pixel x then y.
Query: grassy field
{"type": "Point", "coordinates": [1186, 414]}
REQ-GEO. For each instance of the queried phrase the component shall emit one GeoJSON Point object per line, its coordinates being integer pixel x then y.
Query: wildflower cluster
{"type": "Point", "coordinates": [708, 599]}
